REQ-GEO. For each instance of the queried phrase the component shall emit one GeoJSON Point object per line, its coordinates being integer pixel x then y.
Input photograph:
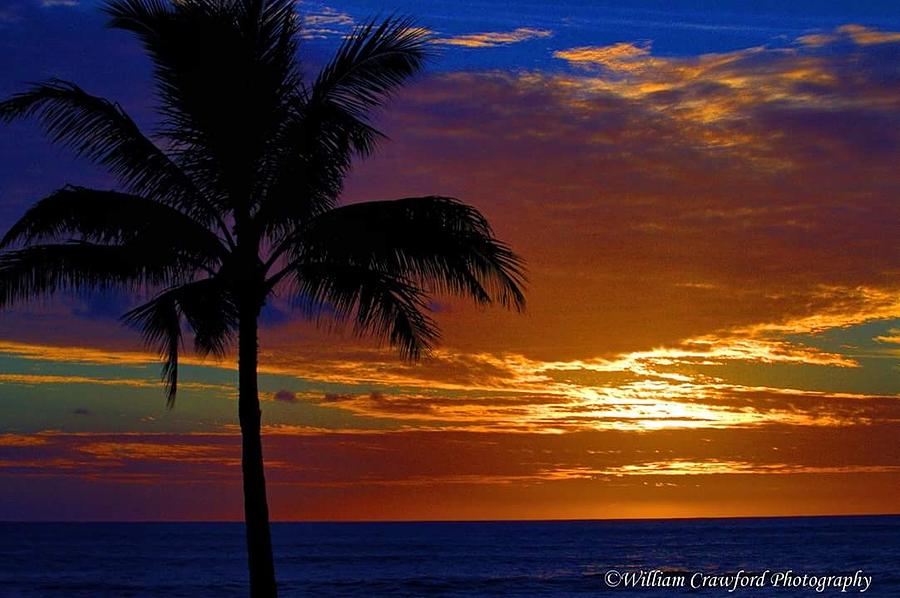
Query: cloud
{"type": "Point", "coordinates": [893, 337]}
{"type": "Point", "coordinates": [498, 475]}
{"type": "Point", "coordinates": [494, 39]}
{"type": "Point", "coordinates": [125, 450]}
{"type": "Point", "coordinates": [868, 36]}
{"type": "Point", "coordinates": [696, 197]}
{"type": "Point", "coordinates": [20, 440]}
{"type": "Point", "coordinates": [324, 22]}
{"type": "Point", "coordinates": [50, 3]}
{"type": "Point", "coordinates": [327, 16]}
{"type": "Point", "coordinates": [811, 81]}
{"type": "Point", "coordinates": [285, 396]}
{"type": "Point", "coordinates": [857, 34]}
{"type": "Point", "coordinates": [82, 411]}
{"type": "Point", "coordinates": [715, 467]}
{"type": "Point", "coordinates": [623, 56]}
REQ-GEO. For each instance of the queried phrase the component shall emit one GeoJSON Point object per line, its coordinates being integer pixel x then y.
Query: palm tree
{"type": "Point", "coordinates": [237, 199]}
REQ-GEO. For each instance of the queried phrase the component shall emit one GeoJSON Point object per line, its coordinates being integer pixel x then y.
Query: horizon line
{"type": "Point", "coordinates": [364, 521]}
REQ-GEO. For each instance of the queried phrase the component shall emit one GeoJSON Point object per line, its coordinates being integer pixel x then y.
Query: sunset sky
{"type": "Point", "coordinates": [707, 196]}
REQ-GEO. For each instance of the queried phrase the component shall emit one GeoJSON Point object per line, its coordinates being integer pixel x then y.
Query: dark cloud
{"type": "Point", "coordinates": [285, 396]}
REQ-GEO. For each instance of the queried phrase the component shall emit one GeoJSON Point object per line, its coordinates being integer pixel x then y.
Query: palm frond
{"type": "Point", "coordinates": [101, 131]}
{"type": "Point", "coordinates": [211, 313]}
{"type": "Point", "coordinates": [159, 322]}
{"type": "Point", "coordinates": [142, 17]}
{"type": "Point", "coordinates": [332, 118]}
{"type": "Point", "coordinates": [379, 304]}
{"type": "Point", "coordinates": [437, 242]}
{"type": "Point", "coordinates": [316, 143]}
{"type": "Point", "coordinates": [78, 213]}
{"type": "Point", "coordinates": [46, 269]}
{"type": "Point", "coordinates": [370, 64]}
{"type": "Point", "coordinates": [208, 309]}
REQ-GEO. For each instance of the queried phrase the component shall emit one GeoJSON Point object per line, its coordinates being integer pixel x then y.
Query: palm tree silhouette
{"type": "Point", "coordinates": [239, 200]}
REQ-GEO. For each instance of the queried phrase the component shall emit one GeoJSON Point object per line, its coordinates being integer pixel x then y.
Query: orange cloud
{"type": "Point", "coordinates": [326, 22]}
{"type": "Point", "coordinates": [20, 440]}
{"type": "Point", "coordinates": [858, 34]}
{"type": "Point", "coordinates": [493, 39]}
{"type": "Point", "coordinates": [694, 199]}
{"type": "Point", "coordinates": [621, 57]}
{"type": "Point", "coordinates": [893, 337]}
{"type": "Point", "coordinates": [490, 475]}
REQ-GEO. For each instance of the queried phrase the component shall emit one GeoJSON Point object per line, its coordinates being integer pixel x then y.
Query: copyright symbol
{"type": "Point", "coordinates": [612, 578]}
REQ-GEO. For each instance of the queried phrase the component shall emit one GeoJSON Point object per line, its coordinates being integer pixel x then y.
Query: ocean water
{"type": "Point", "coordinates": [571, 558]}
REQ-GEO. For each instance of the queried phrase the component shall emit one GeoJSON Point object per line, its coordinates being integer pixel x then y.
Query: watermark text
{"type": "Point", "coordinates": [740, 580]}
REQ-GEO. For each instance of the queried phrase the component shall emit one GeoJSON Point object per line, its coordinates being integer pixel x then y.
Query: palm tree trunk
{"type": "Point", "coordinates": [256, 508]}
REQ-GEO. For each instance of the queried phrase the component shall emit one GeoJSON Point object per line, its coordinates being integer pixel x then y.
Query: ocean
{"type": "Point", "coordinates": [552, 558]}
